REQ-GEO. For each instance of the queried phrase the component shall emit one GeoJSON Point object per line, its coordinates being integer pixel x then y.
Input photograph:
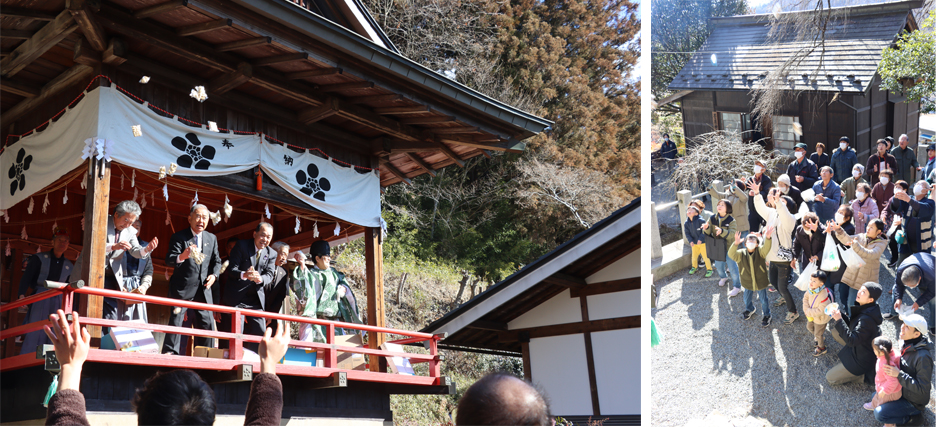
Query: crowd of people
{"type": "Point", "coordinates": [825, 226]}
{"type": "Point", "coordinates": [253, 276]}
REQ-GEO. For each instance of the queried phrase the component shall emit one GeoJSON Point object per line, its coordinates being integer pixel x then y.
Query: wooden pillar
{"type": "Point", "coordinates": [95, 237]}
{"type": "Point", "coordinates": [527, 368]}
{"type": "Point", "coordinates": [373, 259]}
{"type": "Point", "coordinates": [590, 360]}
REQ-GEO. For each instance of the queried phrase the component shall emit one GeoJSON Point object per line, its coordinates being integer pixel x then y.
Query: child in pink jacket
{"type": "Point", "coordinates": [886, 387]}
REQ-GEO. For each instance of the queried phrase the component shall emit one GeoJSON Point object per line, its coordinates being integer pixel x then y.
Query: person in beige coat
{"type": "Point", "coordinates": [815, 300]}
{"type": "Point", "coordinates": [869, 246]}
{"type": "Point", "coordinates": [778, 210]}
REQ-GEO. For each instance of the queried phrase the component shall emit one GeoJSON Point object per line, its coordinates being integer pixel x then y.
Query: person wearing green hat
{"type": "Point", "coordinates": [322, 293]}
{"type": "Point", "coordinates": [802, 171]}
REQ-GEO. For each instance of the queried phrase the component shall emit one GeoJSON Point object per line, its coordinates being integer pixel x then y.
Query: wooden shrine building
{"type": "Point", "coordinates": [573, 315]}
{"type": "Point", "coordinates": [312, 84]}
{"type": "Point", "coordinates": [831, 93]}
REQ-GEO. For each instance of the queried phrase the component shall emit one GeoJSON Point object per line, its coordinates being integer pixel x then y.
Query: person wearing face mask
{"type": "Point", "coordinates": [820, 157]}
{"type": "Point", "coordinates": [907, 165]}
{"type": "Point", "coordinates": [828, 195]}
{"type": "Point", "coordinates": [808, 242]}
{"type": "Point", "coordinates": [752, 264]}
{"type": "Point", "coordinates": [777, 210]}
{"type": "Point", "coordinates": [764, 184]}
{"type": "Point", "coordinates": [668, 150]}
{"type": "Point", "coordinates": [915, 375]}
{"type": "Point", "coordinates": [786, 189]}
{"type": "Point", "coordinates": [869, 246]}
{"type": "Point", "coordinates": [892, 215]}
{"type": "Point", "coordinates": [736, 195]}
{"type": "Point", "coordinates": [916, 219]}
{"type": "Point", "coordinates": [864, 207]}
{"type": "Point", "coordinates": [879, 161]}
{"type": "Point", "coordinates": [843, 218]}
{"type": "Point", "coordinates": [848, 186]}
{"type": "Point", "coordinates": [884, 189]}
{"type": "Point", "coordinates": [843, 160]}
{"type": "Point", "coordinates": [718, 229]}
{"type": "Point", "coordinates": [930, 163]}
{"type": "Point", "coordinates": [802, 171]}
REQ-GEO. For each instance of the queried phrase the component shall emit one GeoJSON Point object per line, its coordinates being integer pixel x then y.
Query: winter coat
{"type": "Point", "coordinates": [833, 199]}
{"type": "Point", "coordinates": [805, 168]}
{"type": "Point", "coordinates": [752, 266]}
{"type": "Point", "coordinates": [928, 170]}
{"type": "Point", "coordinates": [882, 194]}
{"type": "Point", "coordinates": [693, 228]}
{"type": "Point", "coordinates": [814, 305]}
{"type": "Point", "coordinates": [668, 149]}
{"type": "Point", "coordinates": [849, 187]}
{"type": "Point", "coordinates": [755, 220]}
{"type": "Point", "coordinates": [917, 222]}
{"type": "Point", "coordinates": [806, 246]}
{"type": "Point", "coordinates": [739, 205]}
{"type": "Point", "coordinates": [859, 331]}
{"type": "Point", "coordinates": [906, 164]}
{"type": "Point", "coordinates": [870, 251]}
{"type": "Point", "coordinates": [716, 245]}
{"type": "Point", "coordinates": [916, 373]}
{"type": "Point", "coordinates": [864, 212]}
{"type": "Point", "coordinates": [842, 164]}
{"type": "Point", "coordinates": [873, 168]}
{"type": "Point", "coordinates": [797, 196]}
{"type": "Point", "coordinates": [783, 220]}
{"type": "Point", "coordinates": [926, 286]}
{"type": "Point", "coordinates": [883, 383]}
{"type": "Point", "coordinates": [820, 161]}
{"type": "Point", "coordinates": [836, 276]}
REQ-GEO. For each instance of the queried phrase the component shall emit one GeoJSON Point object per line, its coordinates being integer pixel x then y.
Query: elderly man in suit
{"type": "Point", "coordinates": [121, 240]}
{"type": "Point", "coordinates": [193, 253]}
{"type": "Point", "coordinates": [251, 270]}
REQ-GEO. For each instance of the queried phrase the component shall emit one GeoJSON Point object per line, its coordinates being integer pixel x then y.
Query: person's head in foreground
{"type": "Point", "coordinates": [869, 293]}
{"type": "Point", "coordinates": [913, 328]}
{"type": "Point", "coordinates": [502, 400]}
{"type": "Point", "coordinates": [177, 397]}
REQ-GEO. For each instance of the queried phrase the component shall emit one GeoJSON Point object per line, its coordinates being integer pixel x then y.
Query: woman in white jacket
{"type": "Point", "coordinates": [778, 212]}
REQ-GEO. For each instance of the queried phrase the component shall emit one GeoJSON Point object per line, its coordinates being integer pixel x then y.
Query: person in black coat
{"type": "Point", "coordinates": [820, 158]}
{"type": "Point", "coordinates": [802, 171]}
{"type": "Point", "coordinates": [193, 253]}
{"type": "Point", "coordinates": [855, 333]}
{"type": "Point", "coordinates": [251, 269]}
{"type": "Point", "coordinates": [808, 242]}
{"type": "Point", "coordinates": [276, 292]}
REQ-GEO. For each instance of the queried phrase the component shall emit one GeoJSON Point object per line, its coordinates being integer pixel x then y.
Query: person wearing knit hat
{"type": "Point", "coordinates": [48, 265]}
{"type": "Point", "coordinates": [915, 376]}
{"type": "Point", "coordinates": [856, 333]}
{"type": "Point", "coordinates": [802, 171]}
{"type": "Point", "coordinates": [789, 190]}
{"type": "Point", "coordinates": [850, 184]}
{"type": "Point", "coordinates": [696, 239]}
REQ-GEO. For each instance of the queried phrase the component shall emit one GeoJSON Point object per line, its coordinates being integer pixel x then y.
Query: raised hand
{"type": "Point", "coordinates": [737, 238]}
{"type": "Point", "coordinates": [71, 348]}
{"type": "Point", "coordinates": [186, 253]}
{"type": "Point", "coordinates": [152, 245]}
{"type": "Point", "coordinates": [768, 231]}
{"type": "Point", "coordinates": [273, 347]}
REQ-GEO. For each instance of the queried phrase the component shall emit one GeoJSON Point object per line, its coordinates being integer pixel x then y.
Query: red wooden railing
{"type": "Point", "coordinates": [237, 338]}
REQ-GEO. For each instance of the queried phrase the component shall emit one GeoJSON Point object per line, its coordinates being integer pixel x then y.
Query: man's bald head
{"type": "Point", "coordinates": [502, 399]}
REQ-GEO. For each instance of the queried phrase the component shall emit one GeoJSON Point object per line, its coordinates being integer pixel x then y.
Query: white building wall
{"type": "Point", "coordinates": [617, 370]}
{"type": "Point", "coordinates": [559, 366]}
{"type": "Point", "coordinates": [623, 268]}
{"type": "Point", "coordinates": [614, 304]}
{"type": "Point", "coordinates": [559, 309]}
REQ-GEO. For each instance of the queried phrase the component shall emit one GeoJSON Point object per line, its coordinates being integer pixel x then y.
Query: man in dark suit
{"type": "Point", "coordinates": [193, 253]}
{"type": "Point", "coordinates": [251, 269]}
{"type": "Point", "coordinates": [276, 292]}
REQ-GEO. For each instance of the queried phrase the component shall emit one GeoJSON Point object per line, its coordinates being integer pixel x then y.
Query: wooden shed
{"type": "Point", "coordinates": [832, 93]}
{"type": "Point", "coordinates": [315, 79]}
{"type": "Point", "coordinates": [573, 315]}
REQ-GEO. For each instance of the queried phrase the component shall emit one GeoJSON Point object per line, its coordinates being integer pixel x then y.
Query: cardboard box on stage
{"type": "Point", "coordinates": [128, 339]}
{"type": "Point", "coordinates": [398, 365]}
{"type": "Point", "coordinates": [214, 353]}
{"type": "Point", "coordinates": [302, 357]}
{"type": "Point", "coordinates": [350, 361]}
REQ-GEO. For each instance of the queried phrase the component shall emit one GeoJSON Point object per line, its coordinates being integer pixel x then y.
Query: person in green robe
{"type": "Point", "coordinates": [322, 293]}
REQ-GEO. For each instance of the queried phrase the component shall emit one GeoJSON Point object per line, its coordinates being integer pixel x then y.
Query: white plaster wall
{"type": "Point", "coordinates": [617, 368]}
{"type": "Point", "coordinates": [614, 304]}
{"type": "Point", "coordinates": [559, 309]}
{"type": "Point", "coordinates": [623, 268]}
{"type": "Point", "coordinates": [558, 364]}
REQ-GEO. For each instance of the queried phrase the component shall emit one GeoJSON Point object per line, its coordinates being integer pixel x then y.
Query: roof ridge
{"type": "Point", "coordinates": [864, 9]}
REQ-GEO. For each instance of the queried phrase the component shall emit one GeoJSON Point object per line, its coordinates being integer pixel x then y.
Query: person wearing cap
{"type": "Point", "coordinates": [322, 293]}
{"type": "Point", "coordinates": [48, 265]}
{"type": "Point", "coordinates": [843, 160]}
{"type": "Point", "coordinates": [752, 265]}
{"type": "Point", "coordinates": [851, 184]}
{"type": "Point", "coordinates": [764, 184]}
{"type": "Point", "coordinates": [917, 273]}
{"type": "Point", "coordinates": [907, 164]}
{"type": "Point", "coordinates": [856, 333]}
{"type": "Point", "coordinates": [879, 161]}
{"type": "Point", "coordinates": [828, 195]}
{"type": "Point", "coordinates": [802, 171]}
{"type": "Point", "coordinates": [915, 376]}
{"type": "Point", "coordinates": [820, 157]}
{"type": "Point", "coordinates": [786, 188]}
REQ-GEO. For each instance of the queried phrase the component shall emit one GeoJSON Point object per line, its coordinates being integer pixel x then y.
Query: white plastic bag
{"type": "Point", "coordinates": [831, 260]}
{"type": "Point", "coordinates": [802, 283]}
{"type": "Point", "coordinates": [808, 195]}
{"type": "Point", "coordinates": [852, 259]}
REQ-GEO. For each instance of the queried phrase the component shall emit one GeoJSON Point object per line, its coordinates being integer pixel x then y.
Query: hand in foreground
{"type": "Point", "coordinates": [768, 232]}
{"type": "Point", "coordinates": [799, 178]}
{"type": "Point", "coordinates": [123, 246]}
{"type": "Point", "coordinates": [902, 196]}
{"type": "Point", "coordinates": [210, 281]}
{"type": "Point", "coordinates": [820, 198]}
{"type": "Point", "coordinates": [737, 238]}
{"type": "Point", "coordinates": [837, 315]}
{"type": "Point", "coordinates": [891, 371]}
{"type": "Point", "coordinates": [186, 253]}
{"type": "Point", "coordinates": [273, 347]}
{"type": "Point", "coordinates": [152, 245]}
{"type": "Point", "coordinates": [71, 348]}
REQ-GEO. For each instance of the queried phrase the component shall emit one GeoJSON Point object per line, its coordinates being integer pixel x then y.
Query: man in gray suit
{"type": "Point", "coordinates": [121, 240]}
{"type": "Point", "coordinates": [193, 253]}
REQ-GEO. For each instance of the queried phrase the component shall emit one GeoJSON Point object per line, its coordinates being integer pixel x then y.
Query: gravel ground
{"type": "Point", "coordinates": [711, 360]}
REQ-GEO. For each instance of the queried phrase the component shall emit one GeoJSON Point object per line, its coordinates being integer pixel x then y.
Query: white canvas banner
{"type": "Point", "coordinates": [337, 190]}
{"type": "Point", "coordinates": [164, 140]}
{"type": "Point", "coordinates": [41, 158]}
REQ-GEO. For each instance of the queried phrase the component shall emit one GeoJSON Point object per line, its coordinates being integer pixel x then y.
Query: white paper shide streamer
{"type": "Point", "coordinates": [195, 200]}
{"type": "Point", "coordinates": [215, 217]}
{"type": "Point", "coordinates": [23, 234]}
{"type": "Point", "coordinates": [32, 204]}
{"type": "Point", "coordinates": [298, 225]}
{"type": "Point", "coordinates": [266, 209]}
{"type": "Point", "coordinates": [133, 179]}
{"type": "Point", "coordinates": [45, 204]}
{"type": "Point", "coordinates": [166, 191]}
{"type": "Point", "coordinates": [54, 227]}
{"type": "Point", "coordinates": [9, 250]}
{"type": "Point", "coordinates": [65, 199]}
{"type": "Point", "coordinates": [337, 228]}
{"type": "Point", "coordinates": [315, 230]}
